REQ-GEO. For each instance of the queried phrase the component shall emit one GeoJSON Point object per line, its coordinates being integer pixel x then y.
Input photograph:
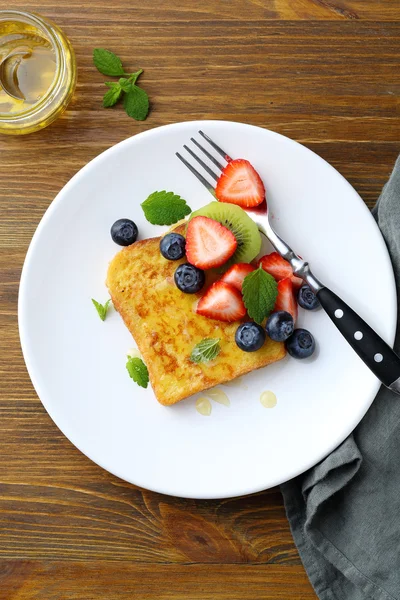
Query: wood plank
{"type": "Point", "coordinates": [65, 506]}
{"type": "Point", "coordinates": [208, 10]}
{"type": "Point", "coordinates": [25, 580]}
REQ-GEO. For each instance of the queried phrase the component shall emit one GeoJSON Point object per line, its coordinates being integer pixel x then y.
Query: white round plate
{"type": "Point", "coordinates": [77, 362]}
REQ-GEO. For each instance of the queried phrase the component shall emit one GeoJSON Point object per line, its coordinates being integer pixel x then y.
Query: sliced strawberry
{"type": "Point", "coordinates": [208, 243]}
{"type": "Point", "coordinates": [240, 184]}
{"type": "Point", "coordinates": [222, 302]}
{"type": "Point", "coordinates": [286, 299]}
{"type": "Point", "coordinates": [279, 268]}
{"type": "Point", "coordinates": [235, 275]}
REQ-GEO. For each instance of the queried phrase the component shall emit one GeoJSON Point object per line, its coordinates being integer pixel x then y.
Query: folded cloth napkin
{"type": "Point", "coordinates": [345, 512]}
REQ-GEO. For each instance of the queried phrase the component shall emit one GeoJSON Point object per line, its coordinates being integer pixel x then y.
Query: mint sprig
{"type": "Point", "coordinates": [113, 95]}
{"type": "Point", "coordinates": [138, 371]}
{"type": "Point", "coordinates": [206, 350]}
{"type": "Point", "coordinates": [165, 208]}
{"type": "Point", "coordinates": [107, 62]}
{"type": "Point", "coordinates": [124, 84]}
{"type": "Point", "coordinates": [134, 76]}
{"type": "Point", "coordinates": [260, 291]}
{"type": "Point", "coordinates": [136, 101]}
{"type": "Point", "coordinates": [101, 308]}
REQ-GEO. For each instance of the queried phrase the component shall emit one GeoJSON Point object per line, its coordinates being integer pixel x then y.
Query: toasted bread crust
{"type": "Point", "coordinates": [165, 326]}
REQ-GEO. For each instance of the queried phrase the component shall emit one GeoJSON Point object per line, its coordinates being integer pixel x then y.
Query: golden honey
{"type": "Point", "coordinates": [203, 406]}
{"type": "Point", "coordinates": [37, 72]}
{"type": "Point", "coordinates": [268, 399]}
{"type": "Point", "coordinates": [219, 396]}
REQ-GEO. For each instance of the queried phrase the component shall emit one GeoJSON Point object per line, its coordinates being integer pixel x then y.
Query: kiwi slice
{"type": "Point", "coordinates": [238, 221]}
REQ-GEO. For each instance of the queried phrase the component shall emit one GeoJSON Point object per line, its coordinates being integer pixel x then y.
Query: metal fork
{"type": "Point", "coordinates": [370, 347]}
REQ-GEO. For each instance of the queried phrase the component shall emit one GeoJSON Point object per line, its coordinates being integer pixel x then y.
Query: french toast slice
{"type": "Point", "coordinates": [165, 326]}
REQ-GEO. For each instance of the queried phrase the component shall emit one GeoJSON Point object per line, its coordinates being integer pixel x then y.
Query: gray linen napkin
{"type": "Point", "coordinates": [345, 512]}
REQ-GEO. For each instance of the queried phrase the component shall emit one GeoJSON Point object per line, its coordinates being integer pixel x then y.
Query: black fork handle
{"type": "Point", "coordinates": [370, 347]}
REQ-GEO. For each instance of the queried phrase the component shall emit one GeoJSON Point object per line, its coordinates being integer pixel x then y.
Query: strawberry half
{"type": "Point", "coordinates": [240, 184]}
{"type": "Point", "coordinates": [222, 302]}
{"type": "Point", "coordinates": [235, 275]}
{"type": "Point", "coordinates": [279, 268]}
{"type": "Point", "coordinates": [286, 299]}
{"type": "Point", "coordinates": [208, 243]}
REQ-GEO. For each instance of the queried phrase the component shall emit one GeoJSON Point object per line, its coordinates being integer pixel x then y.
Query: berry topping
{"type": "Point", "coordinates": [279, 268]}
{"type": "Point", "coordinates": [286, 299]}
{"type": "Point", "coordinates": [280, 326]}
{"type": "Point", "coordinates": [250, 336]}
{"type": "Point", "coordinates": [124, 232]}
{"type": "Point", "coordinates": [239, 223]}
{"type": "Point", "coordinates": [189, 279]}
{"type": "Point", "coordinates": [301, 344]}
{"type": "Point", "coordinates": [307, 299]}
{"type": "Point", "coordinates": [240, 184]}
{"type": "Point", "coordinates": [235, 275]}
{"type": "Point", "coordinates": [172, 246]}
{"type": "Point", "coordinates": [222, 302]}
{"type": "Point", "coordinates": [208, 243]}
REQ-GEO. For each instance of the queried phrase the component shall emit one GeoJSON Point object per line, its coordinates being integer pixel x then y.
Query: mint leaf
{"type": "Point", "coordinates": [138, 371]}
{"type": "Point", "coordinates": [136, 103]}
{"type": "Point", "coordinates": [165, 208]}
{"type": "Point", "coordinates": [113, 95]}
{"type": "Point", "coordinates": [101, 308]}
{"type": "Point", "coordinates": [259, 294]}
{"type": "Point", "coordinates": [134, 76]}
{"type": "Point", "coordinates": [107, 62]}
{"type": "Point", "coordinates": [206, 350]}
{"type": "Point", "coordinates": [125, 84]}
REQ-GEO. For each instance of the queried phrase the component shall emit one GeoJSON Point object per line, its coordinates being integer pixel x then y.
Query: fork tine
{"type": "Point", "coordinates": [209, 156]}
{"type": "Point", "coordinates": [195, 172]}
{"type": "Point", "coordinates": [202, 163]}
{"type": "Point", "coordinates": [217, 148]}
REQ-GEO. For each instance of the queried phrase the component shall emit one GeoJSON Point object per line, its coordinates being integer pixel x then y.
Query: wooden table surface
{"type": "Point", "coordinates": [324, 72]}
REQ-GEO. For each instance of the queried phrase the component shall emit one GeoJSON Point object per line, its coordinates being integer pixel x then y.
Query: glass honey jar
{"type": "Point", "coordinates": [37, 72]}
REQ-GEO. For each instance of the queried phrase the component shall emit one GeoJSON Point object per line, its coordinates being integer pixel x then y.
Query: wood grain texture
{"type": "Point", "coordinates": [25, 580]}
{"type": "Point", "coordinates": [324, 72]}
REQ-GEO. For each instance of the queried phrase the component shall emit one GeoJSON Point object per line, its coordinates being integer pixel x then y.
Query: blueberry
{"type": "Point", "coordinates": [172, 246]}
{"type": "Point", "coordinates": [280, 326]}
{"type": "Point", "coordinates": [307, 299]}
{"type": "Point", "coordinates": [189, 279]}
{"type": "Point", "coordinates": [301, 344]}
{"type": "Point", "coordinates": [250, 336]}
{"type": "Point", "coordinates": [124, 232]}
